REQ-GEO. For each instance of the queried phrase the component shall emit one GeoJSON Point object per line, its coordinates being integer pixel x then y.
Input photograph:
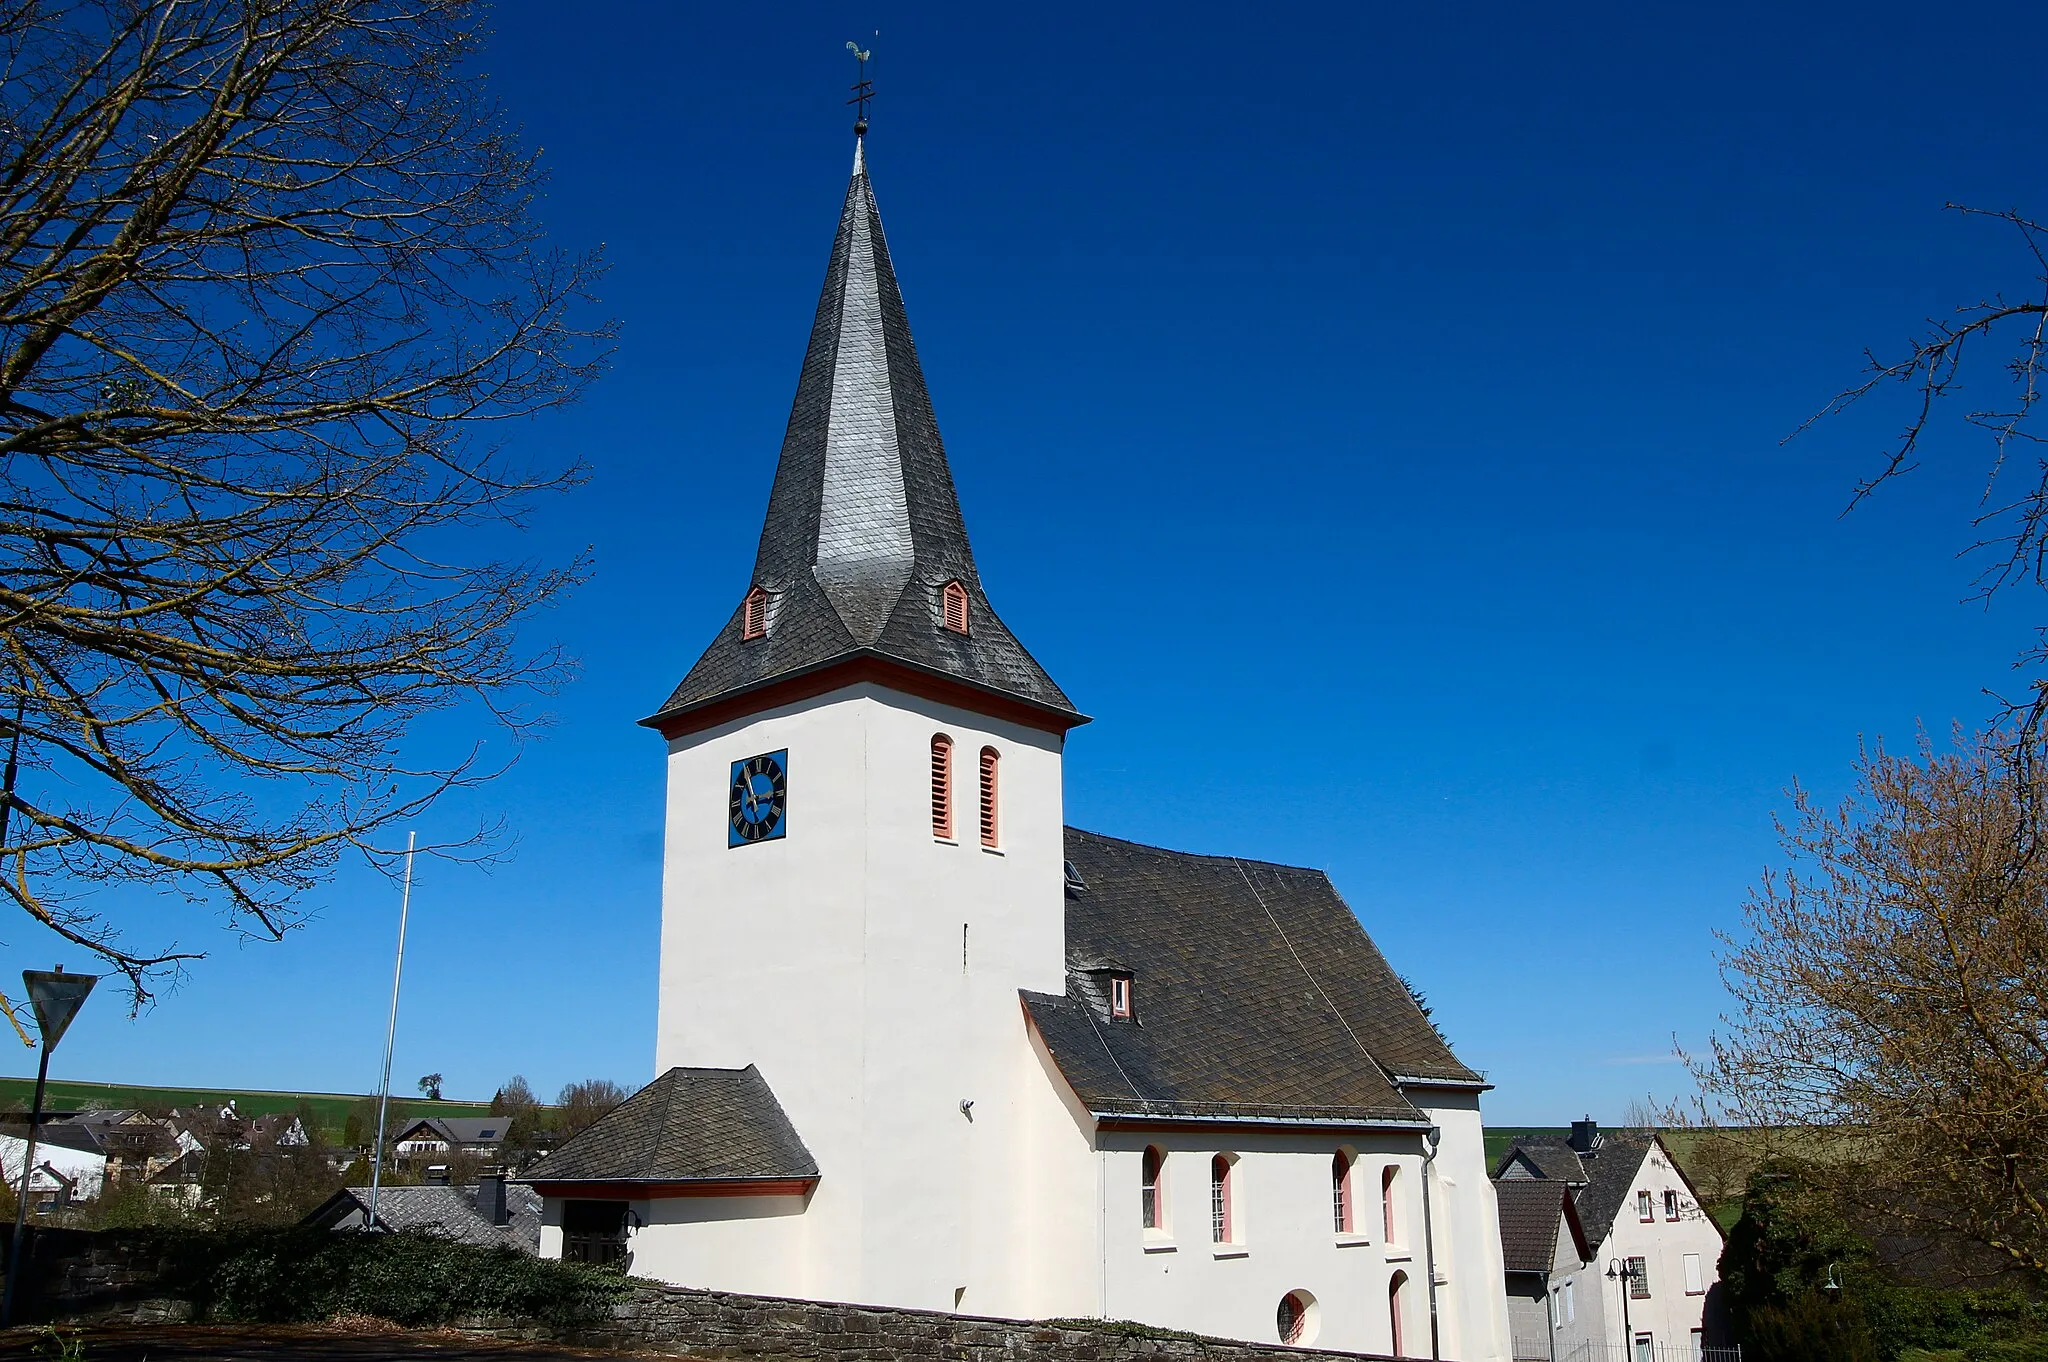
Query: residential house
{"type": "Point", "coordinates": [921, 1044]}
{"type": "Point", "coordinates": [432, 1138]}
{"type": "Point", "coordinates": [70, 1165]}
{"type": "Point", "coordinates": [1647, 1286]}
{"type": "Point", "coordinates": [489, 1213]}
{"type": "Point", "coordinates": [1543, 1249]}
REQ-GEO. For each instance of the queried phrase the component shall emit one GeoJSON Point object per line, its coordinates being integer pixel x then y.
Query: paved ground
{"type": "Point", "coordinates": [205, 1343]}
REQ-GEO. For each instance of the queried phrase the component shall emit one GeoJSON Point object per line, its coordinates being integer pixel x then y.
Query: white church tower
{"type": "Point", "coordinates": [863, 841]}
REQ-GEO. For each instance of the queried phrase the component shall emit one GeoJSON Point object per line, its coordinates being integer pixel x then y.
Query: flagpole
{"type": "Point", "coordinates": [391, 1034]}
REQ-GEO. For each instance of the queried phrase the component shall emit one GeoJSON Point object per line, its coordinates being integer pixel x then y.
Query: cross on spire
{"type": "Point", "coordinates": [863, 88]}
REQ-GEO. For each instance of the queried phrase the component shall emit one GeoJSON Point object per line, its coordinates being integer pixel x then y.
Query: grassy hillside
{"type": "Point", "coordinates": [330, 1108]}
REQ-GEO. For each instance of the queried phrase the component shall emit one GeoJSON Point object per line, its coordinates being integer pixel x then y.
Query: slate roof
{"type": "Point", "coordinates": [1257, 994]}
{"type": "Point", "coordinates": [449, 1212]}
{"type": "Point", "coordinates": [1610, 1168]}
{"type": "Point", "coordinates": [1530, 1209]}
{"type": "Point", "coordinates": [1544, 1159]}
{"type": "Point", "coordinates": [863, 528]}
{"type": "Point", "coordinates": [462, 1130]}
{"type": "Point", "coordinates": [689, 1125]}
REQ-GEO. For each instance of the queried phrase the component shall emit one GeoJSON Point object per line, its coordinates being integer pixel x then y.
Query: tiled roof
{"type": "Point", "coordinates": [688, 1125]}
{"type": "Point", "coordinates": [863, 529]}
{"type": "Point", "coordinates": [449, 1212]}
{"type": "Point", "coordinates": [1529, 1212]}
{"type": "Point", "coordinates": [1257, 994]}
{"type": "Point", "coordinates": [463, 1129]}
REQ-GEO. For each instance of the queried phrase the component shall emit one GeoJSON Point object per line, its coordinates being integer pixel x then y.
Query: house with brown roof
{"type": "Point", "coordinates": [922, 1044]}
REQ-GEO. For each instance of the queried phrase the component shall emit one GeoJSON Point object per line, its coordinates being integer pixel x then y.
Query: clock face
{"type": "Point", "coordinates": [759, 807]}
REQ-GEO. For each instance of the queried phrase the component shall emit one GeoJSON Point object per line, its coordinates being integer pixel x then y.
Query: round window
{"type": "Point", "coordinates": [1296, 1318]}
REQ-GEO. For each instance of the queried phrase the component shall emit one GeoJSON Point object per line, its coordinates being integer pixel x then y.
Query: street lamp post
{"type": "Point", "coordinates": [56, 997]}
{"type": "Point", "coordinates": [1623, 1271]}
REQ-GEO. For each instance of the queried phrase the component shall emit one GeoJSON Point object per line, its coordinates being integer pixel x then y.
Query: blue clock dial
{"type": "Point", "coordinates": [758, 805]}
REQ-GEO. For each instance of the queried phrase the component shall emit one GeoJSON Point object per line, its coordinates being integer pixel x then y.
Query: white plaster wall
{"type": "Point", "coordinates": [1471, 1304]}
{"type": "Point", "coordinates": [832, 958]}
{"type": "Point", "coordinates": [1285, 1232]}
{"type": "Point", "coordinates": [1668, 1315]}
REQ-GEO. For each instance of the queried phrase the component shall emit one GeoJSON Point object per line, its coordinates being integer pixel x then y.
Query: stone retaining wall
{"type": "Point", "coordinates": [109, 1277]}
{"type": "Point", "coordinates": [720, 1324]}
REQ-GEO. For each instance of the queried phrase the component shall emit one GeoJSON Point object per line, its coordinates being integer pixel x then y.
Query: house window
{"type": "Point", "coordinates": [1119, 995]}
{"type": "Point", "coordinates": [1639, 1279]}
{"type": "Point", "coordinates": [1557, 1307]}
{"type": "Point", "coordinates": [1646, 1348]}
{"type": "Point", "coordinates": [1571, 1304]}
{"type": "Point", "coordinates": [942, 786]}
{"type": "Point", "coordinates": [1222, 1222]}
{"type": "Point", "coordinates": [1154, 1172]}
{"type": "Point", "coordinates": [1644, 1210]}
{"type": "Point", "coordinates": [1695, 1282]}
{"type": "Point", "coordinates": [1387, 1176]}
{"type": "Point", "coordinates": [1699, 1345]}
{"type": "Point", "coordinates": [988, 797]}
{"type": "Point", "coordinates": [754, 615]}
{"type": "Point", "coordinates": [1340, 1192]}
{"type": "Point", "coordinates": [1394, 1294]}
{"type": "Point", "coordinates": [954, 599]}
{"type": "Point", "coordinates": [1670, 1204]}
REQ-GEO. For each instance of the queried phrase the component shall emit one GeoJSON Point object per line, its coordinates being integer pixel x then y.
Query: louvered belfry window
{"type": "Point", "coordinates": [942, 786]}
{"type": "Point", "coordinates": [754, 615]}
{"type": "Point", "coordinates": [989, 826]}
{"type": "Point", "coordinates": [954, 599]}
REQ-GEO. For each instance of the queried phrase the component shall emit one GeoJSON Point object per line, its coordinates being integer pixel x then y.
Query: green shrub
{"type": "Point", "coordinates": [303, 1275]}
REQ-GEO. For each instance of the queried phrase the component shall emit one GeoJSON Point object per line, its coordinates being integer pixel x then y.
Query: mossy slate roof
{"type": "Point", "coordinates": [689, 1125]}
{"type": "Point", "coordinates": [1257, 994]}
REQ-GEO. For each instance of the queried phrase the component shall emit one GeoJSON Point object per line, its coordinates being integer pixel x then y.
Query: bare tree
{"type": "Point", "coordinates": [2001, 332]}
{"type": "Point", "coordinates": [269, 282]}
{"type": "Point", "coordinates": [1891, 997]}
{"type": "Point", "coordinates": [581, 1104]}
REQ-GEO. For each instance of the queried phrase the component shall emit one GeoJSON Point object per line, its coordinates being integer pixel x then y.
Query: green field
{"type": "Point", "coordinates": [329, 1108]}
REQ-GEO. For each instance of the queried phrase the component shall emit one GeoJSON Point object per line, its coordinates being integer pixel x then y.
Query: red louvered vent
{"type": "Point", "coordinates": [754, 615]}
{"type": "Point", "coordinates": [942, 786]}
{"type": "Point", "coordinates": [988, 796]}
{"type": "Point", "coordinates": [955, 600]}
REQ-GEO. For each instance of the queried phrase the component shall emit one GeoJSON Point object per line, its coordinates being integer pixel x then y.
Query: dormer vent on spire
{"type": "Point", "coordinates": [864, 529]}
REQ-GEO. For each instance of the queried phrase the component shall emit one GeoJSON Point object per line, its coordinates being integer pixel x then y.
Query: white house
{"type": "Point", "coordinates": [1635, 1265]}
{"type": "Point", "coordinates": [921, 1044]}
{"type": "Point", "coordinates": [70, 1166]}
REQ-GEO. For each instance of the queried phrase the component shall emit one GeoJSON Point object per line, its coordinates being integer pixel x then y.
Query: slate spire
{"type": "Point", "coordinates": [863, 532]}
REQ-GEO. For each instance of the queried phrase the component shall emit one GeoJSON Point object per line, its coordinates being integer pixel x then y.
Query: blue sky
{"type": "Point", "coordinates": [1393, 395]}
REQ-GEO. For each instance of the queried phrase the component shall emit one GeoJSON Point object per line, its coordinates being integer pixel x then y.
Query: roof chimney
{"type": "Point", "coordinates": [490, 1199]}
{"type": "Point", "coordinates": [1585, 1135]}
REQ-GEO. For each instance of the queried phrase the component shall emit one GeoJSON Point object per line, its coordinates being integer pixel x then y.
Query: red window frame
{"type": "Point", "coordinates": [953, 610]}
{"type": "Point", "coordinates": [1670, 1204]}
{"type": "Point", "coordinates": [990, 825]}
{"type": "Point", "coordinates": [1119, 995]}
{"type": "Point", "coordinates": [942, 786]}
{"type": "Point", "coordinates": [1646, 1209]}
{"type": "Point", "coordinates": [1222, 1217]}
{"type": "Point", "coordinates": [1387, 1176]}
{"type": "Point", "coordinates": [754, 615]}
{"type": "Point", "coordinates": [1340, 1192]}
{"type": "Point", "coordinates": [1151, 1173]}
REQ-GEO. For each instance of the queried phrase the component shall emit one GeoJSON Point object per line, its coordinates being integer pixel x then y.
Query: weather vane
{"type": "Point", "coordinates": [863, 89]}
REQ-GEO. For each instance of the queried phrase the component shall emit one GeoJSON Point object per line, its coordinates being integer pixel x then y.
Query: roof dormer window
{"type": "Point", "coordinates": [953, 603]}
{"type": "Point", "coordinates": [1120, 995]}
{"type": "Point", "coordinates": [754, 615]}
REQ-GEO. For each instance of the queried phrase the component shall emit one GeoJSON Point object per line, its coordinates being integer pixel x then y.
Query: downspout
{"type": "Point", "coordinates": [1430, 1141]}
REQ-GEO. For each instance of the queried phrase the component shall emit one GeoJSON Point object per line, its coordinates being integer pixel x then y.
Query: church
{"type": "Point", "coordinates": [921, 1044]}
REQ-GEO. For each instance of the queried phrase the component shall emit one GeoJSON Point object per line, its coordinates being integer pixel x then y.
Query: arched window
{"type": "Point", "coordinates": [1340, 1191]}
{"type": "Point", "coordinates": [1394, 1294]}
{"type": "Point", "coordinates": [1153, 1195]}
{"type": "Point", "coordinates": [754, 615]}
{"type": "Point", "coordinates": [988, 797]}
{"type": "Point", "coordinates": [1222, 1220]}
{"type": "Point", "coordinates": [942, 785]}
{"type": "Point", "coordinates": [1387, 1177]}
{"type": "Point", "coordinates": [953, 599]}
